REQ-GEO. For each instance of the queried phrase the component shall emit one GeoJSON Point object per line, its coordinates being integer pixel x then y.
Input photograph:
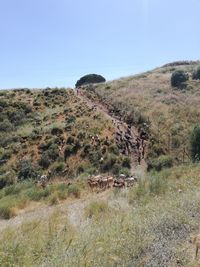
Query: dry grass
{"type": "Point", "coordinates": [172, 113]}
{"type": "Point", "coordinates": [153, 231]}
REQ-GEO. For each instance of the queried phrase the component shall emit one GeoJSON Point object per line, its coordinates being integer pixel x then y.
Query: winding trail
{"type": "Point", "coordinates": [128, 139]}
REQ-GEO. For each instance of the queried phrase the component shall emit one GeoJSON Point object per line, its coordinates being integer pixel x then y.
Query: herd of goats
{"type": "Point", "coordinates": [99, 182]}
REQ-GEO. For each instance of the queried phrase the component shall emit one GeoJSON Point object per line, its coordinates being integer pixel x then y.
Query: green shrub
{"type": "Point", "coordinates": [7, 177]}
{"type": "Point", "coordinates": [53, 152]}
{"type": "Point", "coordinates": [116, 169]}
{"type": "Point", "coordinates": [5, 154]}
{"type": "Point", "coordinates": [70, 140]}
{"type": "Point", "coordinates": [57, 167]}
{"type": "Point", "coordinates": [113, 149]}
{"type": "Point", "coordinates": [7, 211]}
{"type": "Point", "coordinates": [37, 194]}
{"type": "Point", "coordinates": [44, 160]}
{"type": "Point", "coordinates": [17, 117]}
{"type": "Point", "coordinates": [126, 163]}
{"type": "Point", "coordinates": [108, 162]}
{"type": "Point", "coordinates": [196, 74]}
{"type": "Point", "coordinates": [161, 162]}
{"type": "Point", "coordinates": [26, 170]}
{"type": "Point", "coordinates": [125, 171]}
{"type": "Point", "coordinates": [6, 126]}
{"type": "Point", "coordinates": [195, 143]}
{"type": "Point", "coordinates": [178, 78]}
{"type": "Point", "coordinates": [62, 190]}
{"type": "Point", "coordinates": [71, 149]}
{"type": "Point", "coordinates": [15, 189]}
{"type": "Point", "coordinates": [90, 78]}
{"type": "Point", "coordinates": [56, 131]}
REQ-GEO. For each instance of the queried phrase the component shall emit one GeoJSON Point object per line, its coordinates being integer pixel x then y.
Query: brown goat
{"type": "Point", "coordinates": [92, 184]}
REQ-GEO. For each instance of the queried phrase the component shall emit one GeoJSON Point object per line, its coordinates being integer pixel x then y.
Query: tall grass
{"type": "Point", "coordinates": [16, 197]}
{"type": "Point", "coordinates": [96, 209]}
{"type": "Point", "coordinates": [155, 233]}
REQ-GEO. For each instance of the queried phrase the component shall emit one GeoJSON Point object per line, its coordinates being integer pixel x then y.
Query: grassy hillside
{"type": "Point", "coordinates": [50, 132]}
{"type": "Point", "coordinates": [69, 136]}
{"type": "Point", "coordinates": [149, 97]}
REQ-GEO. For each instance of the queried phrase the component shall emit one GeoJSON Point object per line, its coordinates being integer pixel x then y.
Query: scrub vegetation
{"type": "Point", "coordinates": [69, 136]}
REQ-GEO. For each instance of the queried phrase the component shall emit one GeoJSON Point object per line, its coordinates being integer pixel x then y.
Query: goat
{"type": "Point", "coordinates": [119, 183]}
{"type": "Point", "coordinates": [130, 181]}
{"type": "Point", "coordinates": [93, 184]}
{"type": "Point", "coordinates": [103, 183]}
{"type": "Point", "coordinates": [110, 181]}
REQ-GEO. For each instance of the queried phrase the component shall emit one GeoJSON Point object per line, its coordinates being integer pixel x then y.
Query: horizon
{"type": "Point", "coordinates": [48, 44]}
{"type": "Point", "coordinates": [111, 80]}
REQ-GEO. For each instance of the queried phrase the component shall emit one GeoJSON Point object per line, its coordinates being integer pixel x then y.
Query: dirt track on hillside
{"type": "Point", "coordinates": [121, 129]}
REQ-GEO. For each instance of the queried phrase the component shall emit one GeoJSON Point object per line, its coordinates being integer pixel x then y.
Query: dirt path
{"type": "Point", "coordinates": [127, 138]}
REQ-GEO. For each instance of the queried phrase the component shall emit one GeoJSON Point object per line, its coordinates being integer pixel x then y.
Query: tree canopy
{"type": "Point", "coordinates": [90, 78]}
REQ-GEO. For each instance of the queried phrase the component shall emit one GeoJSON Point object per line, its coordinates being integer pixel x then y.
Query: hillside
{"type": "Point", "coordinates": [53, 132]}
{"type": "Point", "coordinates": [149, 98]}
{"type": "Point", "coordinates": [137, 127]}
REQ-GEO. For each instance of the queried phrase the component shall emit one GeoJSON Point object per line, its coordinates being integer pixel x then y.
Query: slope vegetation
{"type": "Point", "coordinates": [149, 98]}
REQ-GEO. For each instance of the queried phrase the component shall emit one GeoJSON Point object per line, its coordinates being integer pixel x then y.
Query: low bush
{"type": "Point", "coordinates": [56, 131]}
{"type": "Point", "coordinates": [26, 170]}
{"type": "Point", "coordinates": [7, 211]}
{"type": "Point", "coordinates": [37, 194]}
{"type": "Point", "coordinates": [161, 162]}
{"type": "Point", "coordinates": [126, 163]}
{"type": "Point", "coordinates": [178, 78]}
{"type": "Point", "coordinates": [6, 126]}
{"type": "Point", "coordinates": [10, 205]}
{"type": "Point", "coordinates": [108, 162]}
{"type": "Point", "coordinates": [195, 143]}
{"type": "Point", "coordinates": [57, 168]}
{"type": "Point", "coordinates": [196, 74]}
{"type": "Point", "coordinates": [71, 149]}
{"type": "Point", "coordinates": [44, 160]}
{"type": "Point", "coordinates": [7, 178]}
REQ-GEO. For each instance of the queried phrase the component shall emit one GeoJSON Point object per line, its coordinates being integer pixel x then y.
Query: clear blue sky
{"type": "Point", "coordinates": [55, 42]}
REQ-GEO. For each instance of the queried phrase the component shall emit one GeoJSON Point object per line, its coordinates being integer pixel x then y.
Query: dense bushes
{"type": "Point", "coordinates": [49, 156]}
{"type": "Point", "coordinates": [6, 126]}
{"type": "Point", "coordinates": [178, 78]}
{"type": "Point", "coordinates": [196, 74]}
{"type": "Point", "coordinates": [90, 78]}
{"type": "Point", "coordinates": [27, 170]}
{"type": "Point", "coordinates": [56, 131]}
{"type": "Point", "coordinates": [7, 178]}
{"type": "Point", "coordinates": [195, 143]}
